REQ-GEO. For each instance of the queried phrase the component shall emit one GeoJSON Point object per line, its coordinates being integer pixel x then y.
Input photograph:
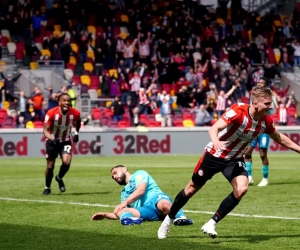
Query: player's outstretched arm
{"type": "Point", "coordinates": [104, 215]}
{"type": "Point", "coordinates": [213, 134]}
{"type": "Point", "coordinates": [285, 141]}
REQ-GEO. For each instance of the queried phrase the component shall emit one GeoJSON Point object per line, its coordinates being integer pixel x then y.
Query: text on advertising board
{"type": "Point", "coordinates": [135, 144]}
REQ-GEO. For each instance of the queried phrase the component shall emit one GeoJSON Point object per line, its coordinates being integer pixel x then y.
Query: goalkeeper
{"type": "Point", "coordinates": [141, 200]}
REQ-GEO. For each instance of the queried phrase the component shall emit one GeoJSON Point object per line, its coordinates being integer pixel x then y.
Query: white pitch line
{"type": "Point", "coordinates": [103, 205]}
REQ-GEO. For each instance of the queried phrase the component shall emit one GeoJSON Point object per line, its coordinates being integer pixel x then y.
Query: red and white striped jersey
{"type": "Point", "coordinates": [240, 132]}
{"type": "Point", "coordinates": [61, 125]}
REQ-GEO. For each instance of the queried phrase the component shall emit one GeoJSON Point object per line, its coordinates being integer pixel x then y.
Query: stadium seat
{"type": "Point", "coordinates": [5, 33]}
{"type": "Point", "coordinates": [46, 52]}
{"type": "Point", "coordinates": [88, 66]}
{"type": "Point", "coordinates": [153, 124]}
{"type": "Point", "coordinates": [33, 65]}
{"type": "Point", "coordinates": [113, 73]}
{"type": "Point", "coordinates": [57, 27]}
{"type": "Point", "coordinates": [3, 66]}
{"type": "Point", "coordinates": [169, 13]}
{"type": "Point", "coordinates": [38, 124]}
{"type": "Point", "coordinates": [108, 103]}
{"type": "Point", "coordinates": [123, 124]}
{"type": "Point", "coordinates": [91, 29]}
{"type": "Point", "coordinates": [11, 47]}
{"type": "Point", "coordinates": [91, 54]}
{"type": "Point", "coordinates": [108, 112]}
{"type": "Point", "coordinates": [3, 112]}
{"type": "Point", "coordinates": [84, 90]}
{"type": "Point", "coordinates": [43, 9]}
{"type": "Point", "coordinates": [4, 40]}
{"type": "Point", "coordinates": [104, 120]}
{"type": "Point", "coordinates": [56, 32]}
{"type": "Point", "coordinates": [188, 123]}
{"type": "Point", "coordinates": [76, 79]}
{"type": "Point", "coordinates": [124, 30]}
{"type": "Point", "coordinates": [174, 105]}
{"type": "Point", "coordinates": [93, 94]}
{"type": "Point", "coordinates": [112, 124]}
{"type": "Point", "coordinates": [178, 123]}
{"type": "Point", "coordinates": [124, 19]}
{"type": "Point", "coordinates": [85, 80]}
{"type": "Point", "coordinates": [74, 47]}
{"type": "Point", "coordinates": [29, 124]}
{"type": "Point", "coordinates": [99, 92]}
{"type": "Point", "coordinates": [68, 73]}
{"type": "Point", "coordinates": [72, 60]}
{"type": "Point", "coordinates": [96, 114]}
{"type": "Point", "coordinates": [220, 21]}
{"type": "Point", "coordinates": [123, 35]}
{"type": "Point", "coordinates": [187, 115]}
{"type": "Point", "coordinates": [5, 105]}
{"type": "Point", "coordinates": [71, 67]}
{"type": "Point", "coordinates": [277, 23]}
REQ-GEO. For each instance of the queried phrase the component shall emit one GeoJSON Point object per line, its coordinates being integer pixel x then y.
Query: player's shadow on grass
{"type": "Point", "coordinates": [109, 238]}
{"type": "Point", "coordinates": [256, 238]}
{"type": "Point", "coordinates": [283, 183]}
{"type": "Point", "coordinates": [83, 193]}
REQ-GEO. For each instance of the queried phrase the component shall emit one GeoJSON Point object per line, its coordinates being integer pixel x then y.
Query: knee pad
{"type": "Point", "coordinates": [248, 156]}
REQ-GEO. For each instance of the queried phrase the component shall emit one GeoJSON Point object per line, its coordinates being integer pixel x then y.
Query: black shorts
{"type": "Point", "coordinates": [209, 165]}
{"type": "Point", "coordinates": [53, 150]}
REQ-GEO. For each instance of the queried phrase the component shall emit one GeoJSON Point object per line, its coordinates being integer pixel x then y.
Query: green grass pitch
{"type": "Point", "coordinates": [267, 217]}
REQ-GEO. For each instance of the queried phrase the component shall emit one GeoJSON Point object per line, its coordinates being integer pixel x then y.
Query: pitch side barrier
{"type": "Point", "coordinates": [117, 142]}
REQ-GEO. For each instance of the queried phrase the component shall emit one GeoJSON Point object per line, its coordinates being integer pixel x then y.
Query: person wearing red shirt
{"type": "Point", "coordinates": [230, 136]}
{"type": "Point", "coordinates": [58, 124]}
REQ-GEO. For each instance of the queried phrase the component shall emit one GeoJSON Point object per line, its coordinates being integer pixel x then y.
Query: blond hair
{"type": "Point", "coordinates": [260, 92]}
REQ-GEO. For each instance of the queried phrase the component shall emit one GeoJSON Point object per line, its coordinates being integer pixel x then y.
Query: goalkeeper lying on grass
{"type": "Point", "coordinates": [142, 200]}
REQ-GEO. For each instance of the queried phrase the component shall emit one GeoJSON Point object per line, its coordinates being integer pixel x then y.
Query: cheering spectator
{"type": "Point", "coordinates": [117, 109]}
{"type": "Point", "coordinates": [202, 116]}
{"type": "Point", "coordinates": [282, 111]}
{"type": "Point", "coordinates": [9, 86]}
{"type": "Point", "coordinates": [143, 101]}
{"type": "Point", "coordinates": [221, 99]}
{"type": "Point", "coordinates": [164, 102]}
{"type": "Point", "coordinates": [37, 101]}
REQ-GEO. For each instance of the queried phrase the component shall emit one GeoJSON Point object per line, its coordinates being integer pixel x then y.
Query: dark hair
{"type": "Point", "coordinates": [118, 166]}
{"type": "Point", "coordinates": [59, 95]}
{"type": "Point", "coordinates": [267, 81]}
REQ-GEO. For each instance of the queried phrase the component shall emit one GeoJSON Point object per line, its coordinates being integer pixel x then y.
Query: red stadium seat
{"type": "Point", "coordinates": [154, 124]}
{"type": "Point", "coordinates": [96, 114]}
{"type": "Point", "coordinates": [123, 124]}
{"type": "Point", "coordinates": [38, 124]}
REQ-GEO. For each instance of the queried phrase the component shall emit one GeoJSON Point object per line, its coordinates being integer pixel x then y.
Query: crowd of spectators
{"type": "Point", "coordinates": [165, 63]}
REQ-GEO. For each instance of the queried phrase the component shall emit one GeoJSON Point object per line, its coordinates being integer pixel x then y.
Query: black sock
{"type": "Point", "coordinates": [63, 170]}
{"type": "Point", "coordinates": [227, 205]}
{"type": "Point", "coordinates": [180, 200]}
{"type": "Point", "coordinates": [49, 177]}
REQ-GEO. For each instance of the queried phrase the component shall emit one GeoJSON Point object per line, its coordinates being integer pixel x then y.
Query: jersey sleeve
{"type": "Point", "coordinates": [77, 115]}
{"type": "Point", "coordinates": [232, 115]}
{"type": "Point", "coordinates": [49, 118]}
{"type": "Point", "coordinates": [141, 176]}
{"type": "Point", "coordinates": [270, 126]}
